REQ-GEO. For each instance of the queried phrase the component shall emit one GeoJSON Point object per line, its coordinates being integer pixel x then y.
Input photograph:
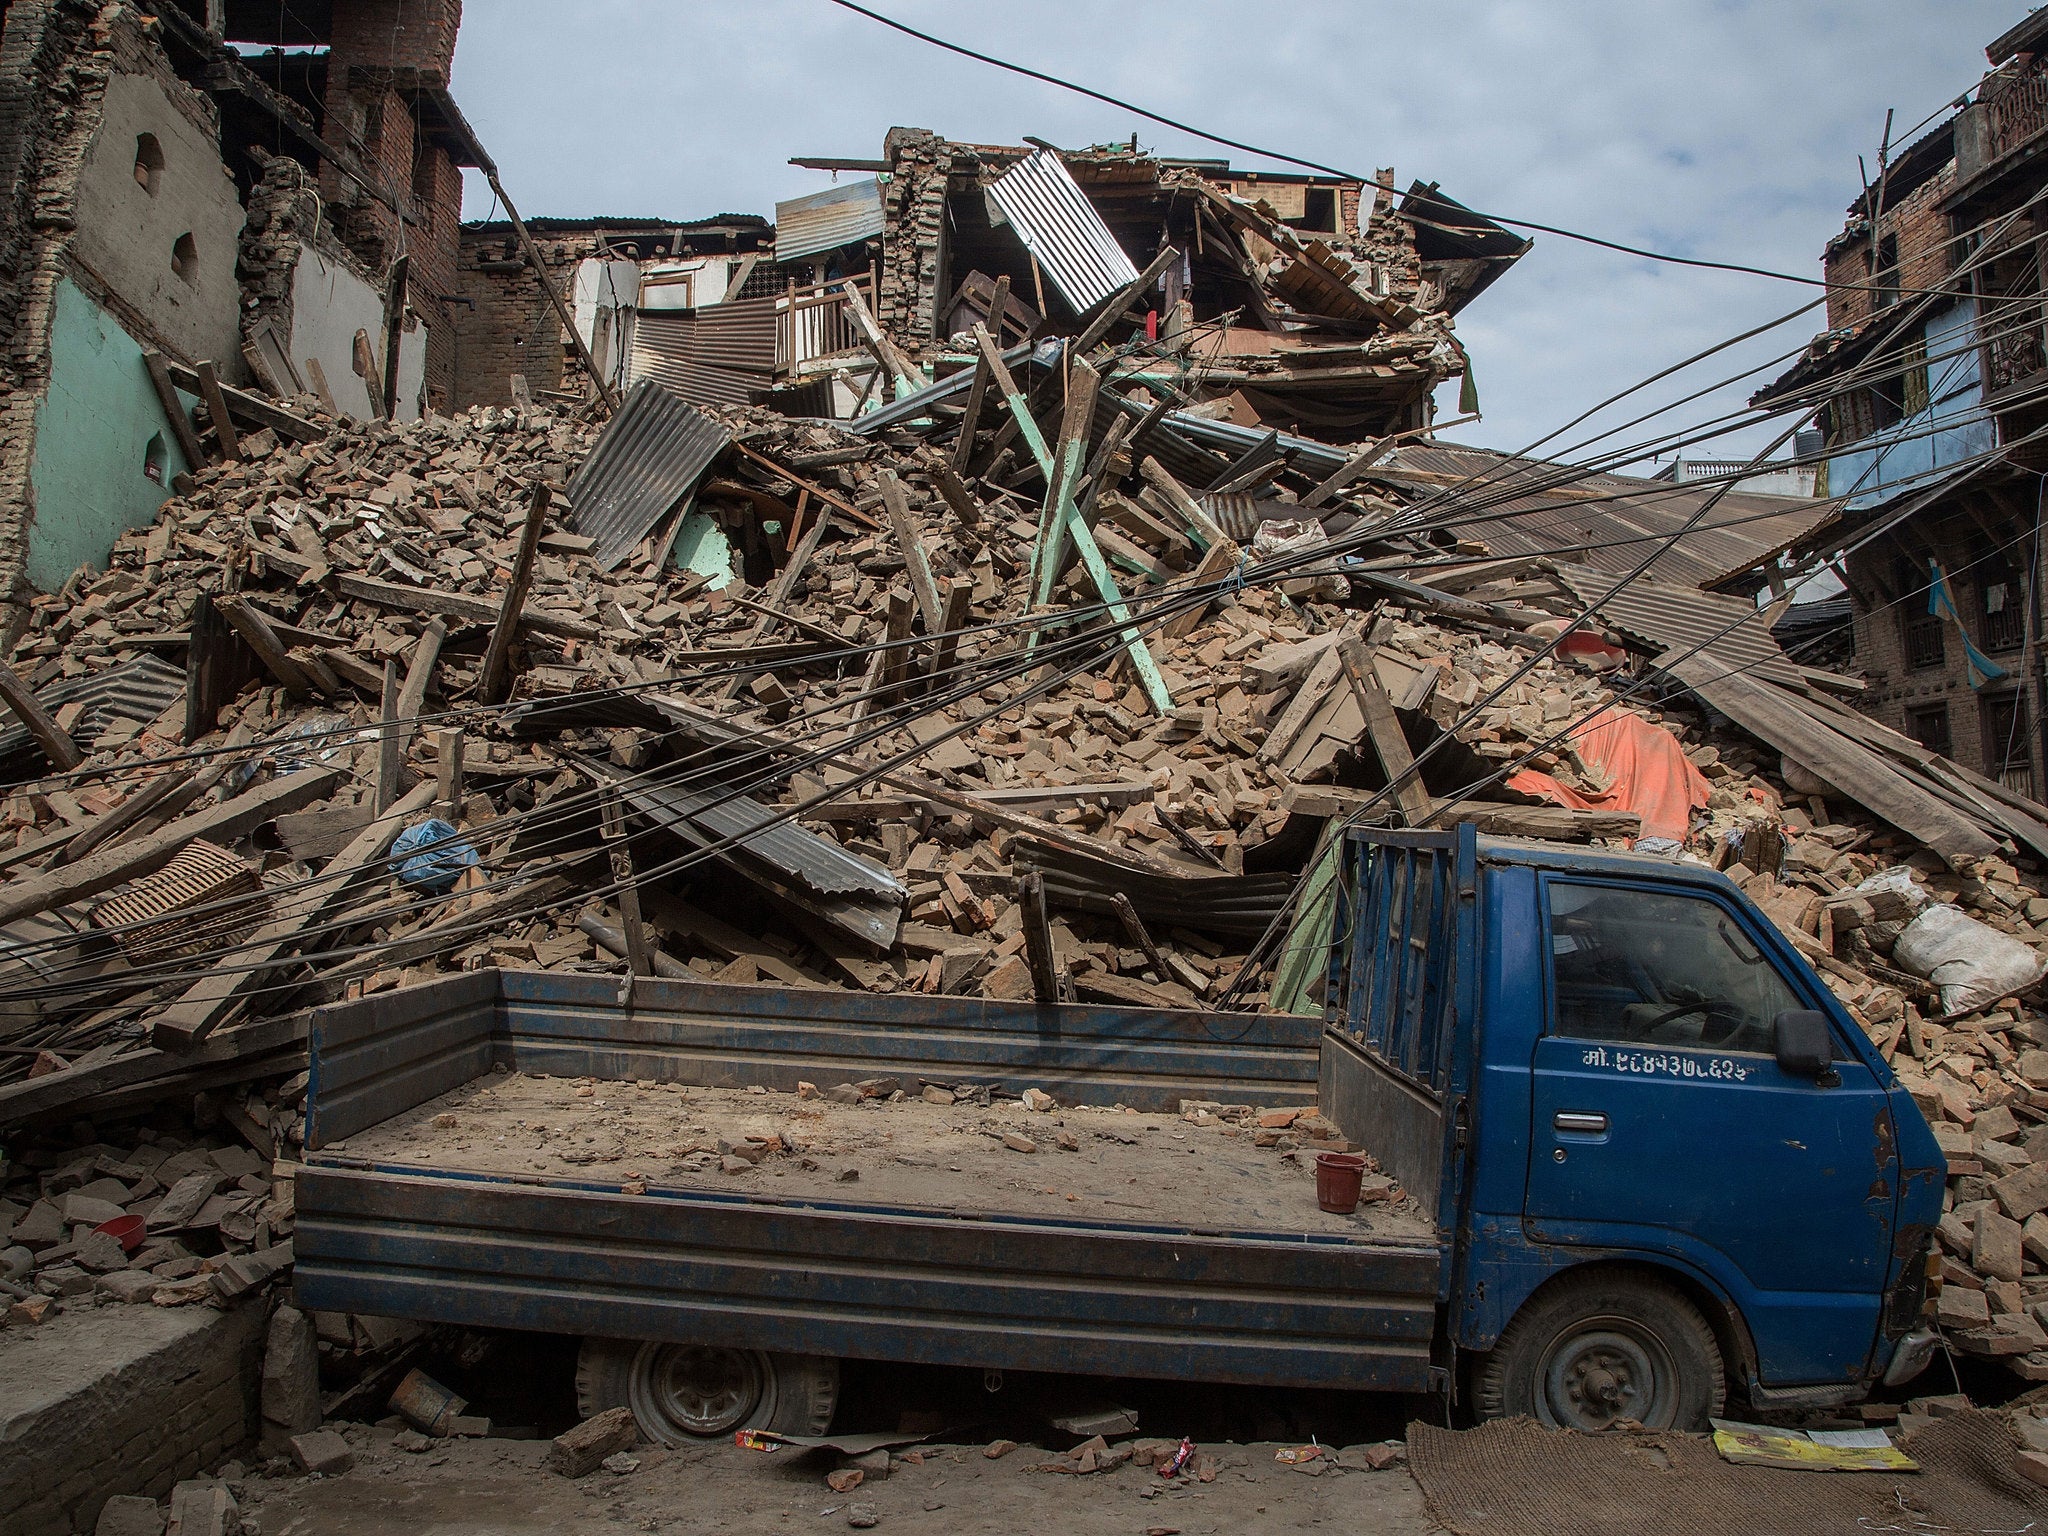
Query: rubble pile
{"type": "Point", "coordinates": [446, 704]}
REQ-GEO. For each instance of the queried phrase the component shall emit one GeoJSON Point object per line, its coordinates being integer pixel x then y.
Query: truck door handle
{"type": "Point", "coordinates": [1580, 1121]}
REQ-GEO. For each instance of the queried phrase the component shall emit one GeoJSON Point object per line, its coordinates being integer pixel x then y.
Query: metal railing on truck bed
{"type": "Point", "coordinates": [1390, 1062]}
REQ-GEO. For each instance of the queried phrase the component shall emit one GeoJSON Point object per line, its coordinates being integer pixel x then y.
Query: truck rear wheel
{"type": "Point", "coordinates": [683, 1394]}
{"type": "Point", "coordinates": [1589, 1351]}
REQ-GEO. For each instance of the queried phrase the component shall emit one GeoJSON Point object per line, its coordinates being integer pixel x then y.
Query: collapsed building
{"type": "Point", "coordinates": [211, 198]}
{"type": "Point", "coordinates": [1000, 578]}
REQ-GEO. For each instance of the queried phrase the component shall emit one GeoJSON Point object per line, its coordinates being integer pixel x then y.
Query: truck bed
{"type": "Point", "coordinates": [1218, 1267]}
{"type": "Point", "coordinates": [1094, 1161]}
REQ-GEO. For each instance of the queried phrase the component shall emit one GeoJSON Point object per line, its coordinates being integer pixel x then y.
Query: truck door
{"type": "Point", "coordinates": [1663, 1123]}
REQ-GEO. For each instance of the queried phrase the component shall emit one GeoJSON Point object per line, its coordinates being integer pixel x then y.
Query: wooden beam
{"type": "Point", "coordinates": [1063, 479]}
{"type": "Point", "coordinates": [390, 743]}
{"type": "Point", "coordinates": [394, 330]}
{"type": "Point", "coordinates": [959, 601]}
{"type": "Point", "coordinates": [419, 676]}
{"type": "Point", "coordinates": [494, 682]}
{"type": "Point", "coordinates": [174, 409]}
{"type": "Point", "coordinates": [977, 392]}
{"type": "Point", "coordinates": [802, 484]}
{"type": "Point", "coordinates": [1013, 397]}
{"type": "Point", "coordinates": [217, 408]}
{"type": "Point", "coordinates": [1038, 950]}
{"type": "Point", "coordinates": [639, 954]}
{"type": "Point", "coordinates": [254, 627]}
{"type": "Point", "coordinates": [908, 381]}
{"type": "Point", "coordinates": [1351, 469]}
{"type": "Point", "coordinates": [448, 773]}
{"type": "Point", "coordinates": [251, 409]}
{"type": "Point", "coordinates": [895, 656]}
{"type": "Point", "coordinates": [911, 545]}
{"type": "Point", "coordinates": [1217, 562]}
{"type": "Point", "coordinates": [1140, 935]}
{"type": "Point", "coordinates": [955, 492]}
{"type": "Point", "coordinates": [210, 1000]}
{"type": "Point", "coordinates": [1121, 300]}
{"type": "Point", "coordinates": [1381, 724]}
{"type": "Point", "coordinates": [55, 741]}
{"type": "Point", "coordinates": [131, 860]}
{"type": "Point", "coordinates": [1199, 523]}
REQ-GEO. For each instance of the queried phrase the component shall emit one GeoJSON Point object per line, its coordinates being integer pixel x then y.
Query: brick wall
{"type": "Point", "coordinates": [122, 1400]}
{"type": "Point", "coordinates": [513, 328]}
{"type": "Point", "coordinates": [1897, 688]}
{"type": "Point", "coordinates": [1924, 255]}
{"type": "Point", "coordinates": [55, 59]}
{"type": "Point", "coordinates": [378, 46]}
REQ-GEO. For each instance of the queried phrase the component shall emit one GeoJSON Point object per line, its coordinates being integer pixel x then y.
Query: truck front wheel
{"type": "Point", "coordinates": [684, 1394]}
{"type": "Point", "coordinates": [1589, 1351]}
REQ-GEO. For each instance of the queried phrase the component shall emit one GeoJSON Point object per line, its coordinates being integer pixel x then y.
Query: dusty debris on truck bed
{"type": "Point", "coordinates": [880, 1142]}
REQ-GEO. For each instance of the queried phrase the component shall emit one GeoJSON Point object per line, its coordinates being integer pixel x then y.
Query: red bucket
{"type": "Point", "coordinates": [1337, 1179]}
{"type": "Point", "coordinates": [125, 1230]}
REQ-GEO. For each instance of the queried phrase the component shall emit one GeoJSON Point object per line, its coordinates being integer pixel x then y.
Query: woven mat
{"type": "Point", "coordinates": [1516, 1478]}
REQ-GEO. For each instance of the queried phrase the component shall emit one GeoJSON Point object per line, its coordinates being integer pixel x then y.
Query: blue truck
{"type": "Point", "coordinates": [1648, 1160]}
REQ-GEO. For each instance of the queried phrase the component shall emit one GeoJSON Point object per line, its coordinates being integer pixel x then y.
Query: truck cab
{"type": "Point", "coordinates": [1661, 1153]}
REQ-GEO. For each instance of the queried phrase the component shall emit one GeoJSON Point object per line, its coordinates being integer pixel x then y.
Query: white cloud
{"type": "Point", "coordinates": [1726, 131]}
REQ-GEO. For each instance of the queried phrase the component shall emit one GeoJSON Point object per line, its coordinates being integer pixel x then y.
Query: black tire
{"type": "Point", "coordinates": [1591, 1350]}
{"type": "Point", "coordinates": [690, 1394]}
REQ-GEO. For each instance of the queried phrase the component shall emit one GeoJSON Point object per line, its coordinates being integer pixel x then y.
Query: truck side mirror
{"type": "Point", "coordinates": [1802, 1043]}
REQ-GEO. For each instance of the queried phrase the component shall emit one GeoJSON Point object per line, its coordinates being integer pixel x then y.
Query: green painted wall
{"type": "Point", "coordinates": [93, 431]}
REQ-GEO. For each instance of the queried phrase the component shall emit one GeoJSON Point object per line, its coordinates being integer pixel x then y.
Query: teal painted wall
{"type": "Point", "coordinates": [93, 431]}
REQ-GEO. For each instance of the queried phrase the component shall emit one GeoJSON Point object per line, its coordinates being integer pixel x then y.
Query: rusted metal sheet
{"type": "Point", "coordinates": [722, 354]}
{"type": "Point", "coordinates": [650, 457]}
{"type": "Point", "coordinates": [1729, 632]}
{"type": "Point", "coordinates": [1060, 227]}
{"type": "Point", "coordinates": [824, 221]}
{"type": "Point", "coordinates": [137, 690]}
{"type": "Point", "coordinates": [1240, 906]}
{"type": "Point", "coordinates": [848, 891]}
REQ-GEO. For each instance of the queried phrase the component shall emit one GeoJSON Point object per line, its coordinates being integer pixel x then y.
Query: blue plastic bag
{"type": "Point", "coordinates": [431, 856]}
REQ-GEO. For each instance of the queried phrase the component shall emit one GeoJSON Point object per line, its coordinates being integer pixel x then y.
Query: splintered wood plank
{"type": "Point", "coordinates": [1083, 382]}
{"type": "Point", "coordinates": [494, 682]}
{"type": "Point", "coordinates": [1381, 724]}
{"type": "Point", "coordinates": [1013, 397]}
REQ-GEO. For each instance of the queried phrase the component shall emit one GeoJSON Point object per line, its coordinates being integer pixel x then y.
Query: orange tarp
{"type": "Point", "coordinates": [1646, 770]}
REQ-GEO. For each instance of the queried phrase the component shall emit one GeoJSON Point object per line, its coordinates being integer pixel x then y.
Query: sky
{"type": "Point", "coordinates": [1726, 131]}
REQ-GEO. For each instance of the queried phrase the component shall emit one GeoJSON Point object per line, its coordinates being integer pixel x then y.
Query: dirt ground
{"type": "Point", "coordinates": [475, 1487]}
{"type": "Point", "coordinates": [1100, 1164]}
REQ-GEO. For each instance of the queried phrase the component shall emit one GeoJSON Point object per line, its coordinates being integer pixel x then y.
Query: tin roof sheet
{"type": "Point", "coordinates": [824, 221]}
{"type": "Point", "coordinates": [651, 455]}
{"type": "Point", "coordinates": [1060, 227]}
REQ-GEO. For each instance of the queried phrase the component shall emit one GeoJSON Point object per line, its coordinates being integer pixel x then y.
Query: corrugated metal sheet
{"type": "Point", "coordinates": [663, 343]}
{"type": "Point", "coordinates": [1239, 906]}
{"type": "Point", "coordinates": [1607, 521]}
{"type": "Point", "coordinates": [1240, 515]}
{"type": "Point", "coordinates": [843, 888]}
{"type": "Point", "coordinates": [1728, 632]}
{"type": "Point", "coordinates": [824, 221]}
{"type": "Point", "coordinates": [137, 690]}
{"type": "Point", "coordinates": [1060, 227]}
{"type": "Point", "coordinates": [651, 455]}
{"type": "Point", "coordinates": [721, 354]}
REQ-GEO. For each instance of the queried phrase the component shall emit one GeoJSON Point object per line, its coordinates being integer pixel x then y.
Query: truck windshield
{"type": "Point", "coordinates": [1659, 968]}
